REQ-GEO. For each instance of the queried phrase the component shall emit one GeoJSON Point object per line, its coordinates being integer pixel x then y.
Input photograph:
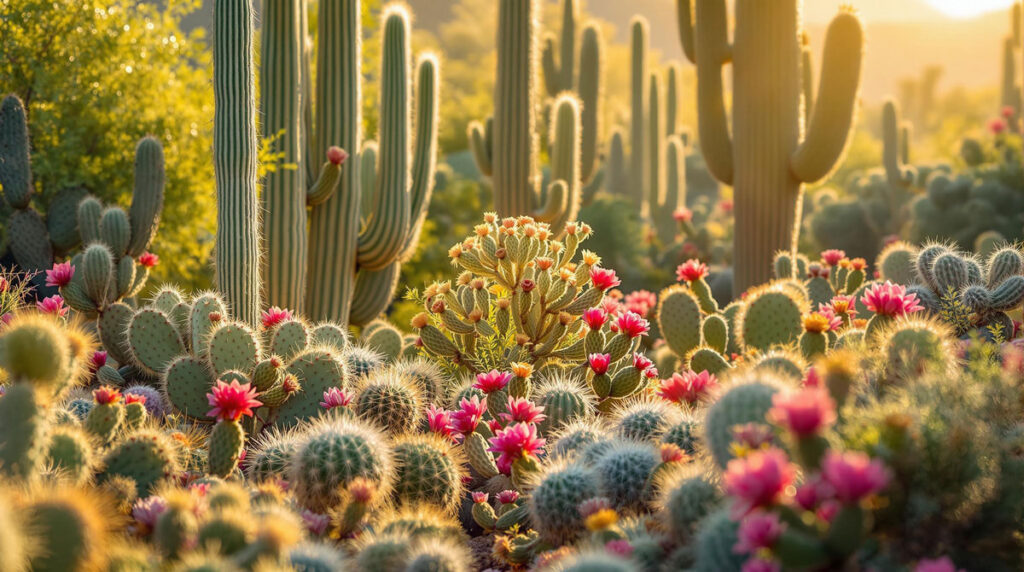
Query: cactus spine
{"type": "Point", "coordinates": [771, 156]}
{"type": "Point", "coordinates": [349, 274]}
{"type": "Point", "coordinates": [507, 149]}
{"type": "Point", "coordinates": [234, 160]}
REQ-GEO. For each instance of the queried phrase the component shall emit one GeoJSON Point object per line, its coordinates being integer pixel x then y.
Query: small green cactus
{"type": "Point", "coordinates": [746, 401]}
{"type": "Point", "coordinates": [554, 503]}
{"type": "Point", "coordinates": [427, 470]}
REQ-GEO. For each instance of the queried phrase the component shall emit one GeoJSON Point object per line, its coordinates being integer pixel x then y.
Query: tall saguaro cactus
{"type": "Point", "coordinates": [507, 148]}
{"type": "Point", "coordinates": [896, 147]}
{"type": "Point", "coordinates": [351, 268]}
{"type": "Point", "coordinates": [770, 154]}
{"type": "Point", "coordinates": [234, 160]}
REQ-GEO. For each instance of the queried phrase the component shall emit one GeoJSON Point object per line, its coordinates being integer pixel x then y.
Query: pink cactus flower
{"type": "Point", "coordinates": [335, 397]}
{"type": "Point", "coordinates": [595, 318]}
{"type": "Point", "coordinates": [60, 275]}
{"type": "Point", "coordinates": [440, 421]}
{"type": "Point", "coordinates": [599, 363]}
{"type": "Point", "coordinates": [494, 425]}
{"type": "Point", "coordinates": [620, 547]}
{"type": "Point", "coordinates": [468, 416]}
{"type": "Point", "coordinates": [687, 387]}
{"type": "Point", "coordinates": [641, 302]}
{"type": "Point", "coordinates": [146, 511]}
{"type": "Point", "coordinates": [315, 523]}
{"type": "Point", "coordinates": [832, 256]}
{"type": "Point", "coordinates": [231, 401]}
{"type": "Point", "coordinates": [758, 564]}
{"type": "Point", "coordinates": [612, 306]}
{"type": "Point", "coordinates": [98, 360]}
{"type": "Point", "coordinates": [53, 305]}
{"type": "Point", "coordinates": [513, 443]}
{"type": "Point", "coordinates": [336, 155]}
{"type": "Point", "coordinates": [106, 395]}
{"type": "Point", "coordinates": [758, 530]}
{"type": "Point", "coordinates": [758, 480]}
{"type": "Point", "coordinates": [148, 259]}
{"type": "Point", "coordinates": [275, 316]}
{"type": "Point", "coordinates": [813, 492]}
{"type": "Point", "coordinates": [943, 564]}
{"type": "Point", "coordinates": [691, 271]}
{"type": "Point", "coordinates": [854, 475]}
{"type": "Point", "coordinates": [815, 270]}
{"type": "Point", "coordinates": [682, 214]}
{"type": "Point", "coordinates": [641, 362]}
{"type": "Point", "coordinates": [671, 453]}
{"type": "Point", "coordinates": [997, 125]}
{"type": "Point", "coordinates": [134, 398]}
{"type": "Point", "coordinates": [523, 411]}
{"type": "Point", "coordinates": [890, 300]}
{"type": "Point", "coordinates": [603, 278]}
{"type": "Point", "coordinates": [508, 496]}
{"type": "Point", "coordinates": [1008, 112]}
{"type": "Point", "coordinates": [841, 306]}
{"type": "Point", "coordinates": [632, 325]}
{"type": "Point", "coordinates": [752, 435]}
{"type": "Point", "coordinates": [479, 497]}
{"type": "Point", "coordinates": [492, 381]}
{"type": "Point", "coordinates": [804, 412]}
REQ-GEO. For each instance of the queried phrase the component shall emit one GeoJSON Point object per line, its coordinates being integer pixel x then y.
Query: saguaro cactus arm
{"type": "Point", "coordinates": [684, 12]}
{"type": "Point", "coordinates": [838, 92]}
{"type": "Point", "coordinates": [713, 52]}
{"type": "Point", "coordinates": [807, 81]}
{"type": "Point", "coordinates": [481, 142]}
{"type": "Point", "coordinates": [565, 161]}
{"type": "Point", "coordinates": [424, 161]}
{"type": "Point", "coordinates": [895, 171]}
{"type": "Point", "coordinates": [234, 159]}
{"type": "Point", "coordinates": [147, 195]}
{"type": "Point", "coordinates": [559, 76]}
{"type": "Point", "coordinates": [638, 101]}
{"type": "Point", "coordinates": [591, 94]}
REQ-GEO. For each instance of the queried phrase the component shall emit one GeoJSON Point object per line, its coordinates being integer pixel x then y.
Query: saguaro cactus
{"type": "Point", "coordinates": [506, 149]}
{"type": "Point", "coordinates": [771, 155]}
{"type": "Point", "coordinates": [234, 160]}
{"type": "Point", "coordinates": [560, 76]}
{"type": "Point", "coordinates": [896, 146]}
{"type": "Point", "coordinates": [353, 261]}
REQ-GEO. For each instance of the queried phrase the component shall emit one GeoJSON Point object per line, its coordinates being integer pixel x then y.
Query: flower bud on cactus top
{"type": "Point", "coordinates": [523, 411]}
{"type": "Point", "coordinates": [479, 497]}
{"type": "Point", "coordinates": [148, 259]}
{"type": "Point", "coordinates": [467, 417]}
{"type": "Point", "coordinates": [599, 363]}
{"type": "Point", "coordinates": [603, 278]}
{"type": "Point", "coordinates": [687, 387]}
{"type": "Point", "coordinates": [758, 531]}
{"type": "Point", "coordinates": [98, 360]}
{"type": "Point", "coordinates": [854, 475]}
{"type": "Point", "coordinates": [594, 318]}
{"type": "Point", "coordinates": [336, 155]}
{"type": "Point", "coordinates": [60, 275]}
{"type": "Point", "coordinates": [335, 397]}
{"type": "Point", "coordinates": [890, 300]}
{"type": "Point", "coordinates": [130, 398]}
{"type": "Point", "coordinates": [832, 256]}
{"type": "Point", "coordinates": [758, 480]}
{"type": "Point", "coordinates": [631, 325]}
{"type": "Point", "coordinates": [508, 496]}
{"type": "Point", "coordinates": [231, 401]}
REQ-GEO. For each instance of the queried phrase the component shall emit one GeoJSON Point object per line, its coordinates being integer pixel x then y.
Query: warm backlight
{"type": "Point", "coordinates": [968, 8]}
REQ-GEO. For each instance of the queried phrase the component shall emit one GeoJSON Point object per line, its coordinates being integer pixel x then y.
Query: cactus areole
{"type": "Point", "coordinates": [770, 153]}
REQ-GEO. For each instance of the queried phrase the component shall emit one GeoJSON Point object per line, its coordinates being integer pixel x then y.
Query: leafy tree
{"type": "Point", "coordinates": [97, 76]}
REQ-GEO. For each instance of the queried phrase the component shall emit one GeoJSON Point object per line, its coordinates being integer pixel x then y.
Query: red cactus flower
{"type": "Point", "coordinates": [854, 475]}
{"type": "Point", "coordinates": [671, 453]}
{"type": "Point", "coordinates": [858, 264]}
{"type": "Point", "coordinates": [632, 325]}
{"type": "Point", "coordinates": [336, 155]}
{"type": "Point", "coordinates": [641, 362]}
{"type": "Point", "coordinates": [523, 411]}
{"type": "Point", "coordinates": [691, 271]}
{"type": "Point", "coordinates": [805, 412]}
{"type": "Point", "coordinates": [135, 398]}
{"type": "Point", "coordinates": [479, 497]}
{"type": "Point", "coordinates": [231, 401]}
{"type": "Point", "coordinates": [832, 256]}
{"type": "Point", "coordinates": [508, 496]}
{"type": "Point", "coordinates": [53, 305]}
{"type": "Point", "coordinates": [594, 318]}
{"type": "Point", "coordinates": [275, 316]}
{"type": "Point", "coordinates": [335, 397]}
{"type": "Point", "coordinates": [513, 443]}
{"type": "Point", "coordinates": [997, 126]}
{"type": "Point", "coordinates": [682, 214]}
{"type": "Point", "coordinates": [813, 492]}
{"type": "Point", "coordinates": [759, 530]}
{"type": "Point", "coordinates": [758, 480]}
{"type": "Point", "coordinates": [60, 275]}
{"type": "Point", "coordinates": [890, 300]}
{"type": "Point", "coordinates": [492, 381]}
{"type": "Point", "coordinates": [603, 278]}
{"type": "Point", "coordinates": [106, 395]}
{"type": "Point", "coordinates": [599, 362]}
{"type": "Point", "coordinates": [1008, 112]}
{"type": "Point", "coordinates": [98, 360]}
{"type": "Point", "coordinates": [687, 387]}
{"type": "Point", "coordinates": [148, 259]}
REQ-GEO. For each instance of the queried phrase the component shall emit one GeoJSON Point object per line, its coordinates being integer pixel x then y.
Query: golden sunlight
{"type": "Point", "coordinates": [968, 8]}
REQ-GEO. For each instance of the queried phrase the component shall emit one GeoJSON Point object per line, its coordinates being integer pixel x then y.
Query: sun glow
{"type": "Point", "coordinates": [969, 8]}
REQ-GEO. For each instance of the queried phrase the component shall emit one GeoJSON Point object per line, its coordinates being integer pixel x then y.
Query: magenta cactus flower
{"type": "Point", "coordinates": [804, 412]}
{"type": "Point", "coordinates": [492, 381]}
{"type": "Point", "coordinates": [595, 318]}
{"type": "Point", "coordinates": [231, 401]}
{"type": "Point", "coordinates": [336, 155]}
{"type": "Point", "coordinates": [53, 305]}
{"type": "Point", "coordinates": [691, 271]}
{"type": "Point", "coordinates": [603, 278]}
{"type": "Point", "coordinates": [832, 256]}
{"type": "Point", "coordinates": [467, 417]}
{"type": "Point", "coordinates": [752, 435]}
{"type": "Point", "coordinates": [813, 492]}
{"type": "Point", "coordinates": [315, 523]}
{"type": "Point", "coordinates": [620, 547]}
{"type": "Point", "coordinates": [134, 398]}
{"type": "Point", "coordinates": [758, 530]}
{"type": "Point", "coordinates": [641, 362]}
{"type": "Point", "coordinates": [759, 564]}
{"type": "Point", "coordinates": [275, 316]}
{"type": "Point", "coordinates": [523, 411]}
{"type": "Point", "coordinates": [687, 387]}
{"type": "Point", "coordinates": [60, 275]}
{"type": "Point", "coordinates": [148, 259]}
{"type": "Point", "coordinates": [479, 497]}
{"type": "Point", "coordinates": [943, 564]}
{"type": "Point", "coordinates": [97, 360]}
{"type": "Point", "coordinates": [508, 496]}
{"type": "Point", "coordinates": [146, 511]}
{"type": "Point", "coordinates": [758, 480]}
{"type": "Point", "coordinates": [641, 302]}
{"type": "Point", "coordinates": [599, 363]}
{"type": "Point", "coordinates": [890, 300]}
{"type": "Point", "coordinates": [335, 397]}
{"type": "Point", "coordinates": [513, 443]}
{"type": "Point", "coordinates": [682, 214]}
{"type": "Point", "coordinates": [854, 475]}
{"type": "Point", "coordinates": [632, 325]}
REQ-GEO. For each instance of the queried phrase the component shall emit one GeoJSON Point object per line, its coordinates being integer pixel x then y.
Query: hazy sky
{"type": "Point", "coordinates": [966, 8]}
